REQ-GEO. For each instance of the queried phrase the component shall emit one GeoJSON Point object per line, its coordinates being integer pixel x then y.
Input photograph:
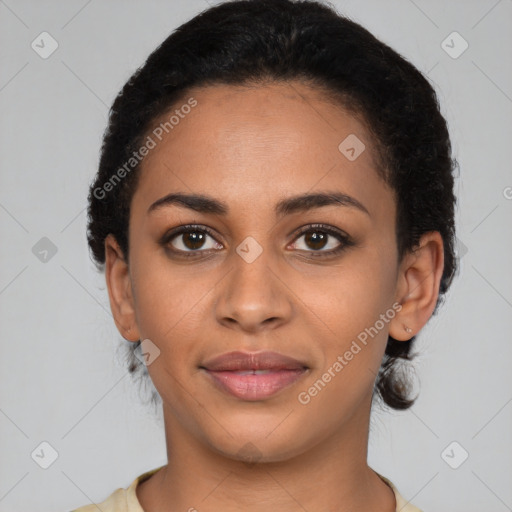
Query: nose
{"type": "Point", "coordinates": [253, 296]}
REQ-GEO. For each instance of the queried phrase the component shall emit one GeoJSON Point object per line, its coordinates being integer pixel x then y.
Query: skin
{"type": "Point", "coordinates": [251, 147]}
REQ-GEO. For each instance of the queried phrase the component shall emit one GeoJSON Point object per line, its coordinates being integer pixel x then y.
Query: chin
{"type": "Point", "coordinates": [254, 453]}
{"type": "Point", "coordinates": [259, 442]}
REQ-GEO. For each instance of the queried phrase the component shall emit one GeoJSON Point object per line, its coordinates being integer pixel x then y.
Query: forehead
{"type": "Point", "coordinates": [255, 143]}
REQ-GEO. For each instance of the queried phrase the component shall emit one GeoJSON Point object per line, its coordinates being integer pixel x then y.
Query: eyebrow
{"type": "Point", "coordinates": [206, 204]}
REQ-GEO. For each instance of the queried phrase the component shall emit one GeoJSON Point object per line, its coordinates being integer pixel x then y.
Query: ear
{"type": "Point", "coordinates": [120, 290]}
{"type": "Point", "coordinates": [418, 284]}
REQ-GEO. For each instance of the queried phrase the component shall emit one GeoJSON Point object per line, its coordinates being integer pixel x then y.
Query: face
{"type": "Point", "coordinates": [255, 269]}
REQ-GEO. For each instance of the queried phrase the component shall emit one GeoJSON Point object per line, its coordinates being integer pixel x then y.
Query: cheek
{"type": "Point", "coordinates": [354, 294]}
{"type": "Point", "coordinates": [168, 299]}
{"type": "Point", "coordinates": [170, 310]}
{"type": "Point", "coordinates": [355, 307]}
{"type": "Point", "coordinates": [350, 304]}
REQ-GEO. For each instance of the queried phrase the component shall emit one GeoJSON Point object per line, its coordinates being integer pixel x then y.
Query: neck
{"type": "Point", "coordinates": [332, 474]}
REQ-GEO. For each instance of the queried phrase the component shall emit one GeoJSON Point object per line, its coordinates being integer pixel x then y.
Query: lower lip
{"type": "Point", "coordinates": [253, 387]}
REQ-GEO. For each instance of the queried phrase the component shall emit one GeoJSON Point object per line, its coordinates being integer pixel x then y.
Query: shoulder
{"type": "Point", "coordinates": [116, 502]}
{"type": "Point", "coordinates": [125, 500]}
{"type": "Point", "coordinates": [402, 505]}
{"type": "Point", "coordinates": [121, 500]}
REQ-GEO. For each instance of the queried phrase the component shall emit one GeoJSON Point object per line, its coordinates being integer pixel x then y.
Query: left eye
{"type": "Point", "coordinates": [320, 240]}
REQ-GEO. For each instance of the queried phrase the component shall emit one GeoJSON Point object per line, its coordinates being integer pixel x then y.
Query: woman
{"type": "Point", "coordinates": [274, 213]}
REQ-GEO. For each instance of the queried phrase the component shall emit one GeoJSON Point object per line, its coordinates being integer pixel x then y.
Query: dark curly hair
{"type": "Point", "coordinates": [247, 42]}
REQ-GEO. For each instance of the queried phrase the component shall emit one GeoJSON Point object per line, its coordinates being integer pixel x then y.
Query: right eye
{"type": "Point", "coordinates": [190, 239]}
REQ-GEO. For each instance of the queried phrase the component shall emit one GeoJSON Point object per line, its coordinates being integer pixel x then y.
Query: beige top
{"type": "Point", "coordinates": [125, 500]}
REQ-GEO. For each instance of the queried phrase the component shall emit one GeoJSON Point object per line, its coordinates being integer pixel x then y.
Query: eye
{"type": "Point", "coordinates": [190, 239]}
{"type": "Point", "coordinates": [319, 238]}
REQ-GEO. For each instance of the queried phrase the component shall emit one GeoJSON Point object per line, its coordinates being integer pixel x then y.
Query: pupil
{"type": "Point", "coordinates": [195, 239]}
{"type": "Point", "coordinates": [316, 239]}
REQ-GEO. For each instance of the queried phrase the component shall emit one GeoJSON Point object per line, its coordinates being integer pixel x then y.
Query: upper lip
{"type": "Point", "coordinates": [240, 361]}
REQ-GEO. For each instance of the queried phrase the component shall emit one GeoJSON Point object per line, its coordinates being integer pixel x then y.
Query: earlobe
{"type": "Point", "coordinates": [418, 286]}
{"type": "Point", "coordinates": [119, 286]}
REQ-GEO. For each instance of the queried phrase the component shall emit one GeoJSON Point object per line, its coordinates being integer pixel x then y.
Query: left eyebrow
{"type": "Point", "coordinates": [206, 204]}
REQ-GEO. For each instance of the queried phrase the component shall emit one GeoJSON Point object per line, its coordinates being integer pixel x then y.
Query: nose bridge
{"type": "Point", "coordinates": [252, 293]}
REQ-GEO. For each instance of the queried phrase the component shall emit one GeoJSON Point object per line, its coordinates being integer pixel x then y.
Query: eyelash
{"type": "Point", "coordinates": [346, 241]}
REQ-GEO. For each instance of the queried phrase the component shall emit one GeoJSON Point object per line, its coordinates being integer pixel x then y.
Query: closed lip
{"type": "Point", "coordinates": [244, 361]}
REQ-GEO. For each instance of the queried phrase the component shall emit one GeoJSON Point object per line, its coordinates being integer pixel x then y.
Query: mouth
{"type": "Point", "coordinates": [254, 376]}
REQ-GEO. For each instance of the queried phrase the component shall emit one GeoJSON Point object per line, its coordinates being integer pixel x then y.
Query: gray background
{"type": "Point", "coordinates": [62, 380]}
